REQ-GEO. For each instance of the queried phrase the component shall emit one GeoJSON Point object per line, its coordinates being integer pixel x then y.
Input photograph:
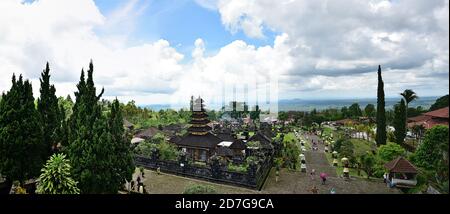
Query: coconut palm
{"type": "Point", "coordinates": [409, 96]}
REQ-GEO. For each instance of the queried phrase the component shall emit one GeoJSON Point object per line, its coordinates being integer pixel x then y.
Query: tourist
{"type": "Point", "coordinates": [277, 174]}
{"type": "Point", "coordinates": [384, 177]}
{"type": "Point", "coordinates": [323, 180]}
{"type": "Point", "coordinates": [313, 173]}
{"type": "Point", "coordinates": [158, 170]}
{"type": "Point", "coordinates": [138, 180]}
{"type": "Point", "coordinates": [315, 190]}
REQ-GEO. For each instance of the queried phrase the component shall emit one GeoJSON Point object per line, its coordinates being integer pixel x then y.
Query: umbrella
{"type": "Point", "coordinates": [323, 175]}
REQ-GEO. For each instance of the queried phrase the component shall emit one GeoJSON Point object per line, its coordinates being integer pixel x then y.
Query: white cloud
{"type": "Point", "coordinates": [323, 49]}
{"type": "Point", "coordinates": [350, 38]}
{"type": "Point", "coordinates": [62, 32]}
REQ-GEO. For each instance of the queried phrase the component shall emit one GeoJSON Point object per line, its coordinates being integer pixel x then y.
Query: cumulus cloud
{"type": "Point", "coordinates": [322, 49]}
{"type": "Point", "coordinates": [350, 38]}
{"type": "Point", "coordinates": [63, 33]}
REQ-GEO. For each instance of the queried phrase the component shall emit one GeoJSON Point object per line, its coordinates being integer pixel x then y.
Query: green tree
{"type": "Point", "coordinates": [122, 156]}
{"type": "Point", "coordinates": [282, 116]}
{"type": "Point", "coordinates": [390, 151]}
{"type": "Point", "coordinates": [345, 112]}
{"type": "Point", "coordinates": [429, 152]}
{"type": "Point", "coordinates": [347, 149]}
{"type": "Point", "coordinates": [47, 106]}
{"type": "Point", "coordinates": [355, 110]}
{"type": "Point", "coordinates": [440, 103]}
{"type": "Point", "coordinates": [381, 112]}
{"type": "Point", "coordinates": [368, 162]}
{"type": "Point", "coordinates": [400, 122]}
{"type": "Point", "coordinates": [56, 177]}
{"type": "Point", "coordinates": [92, 146]}
{"type": "Point", "coordinates": [409, 96]}
{"type": "Point", "coordinates": [369, 110]}
{"type": "Point", "coordinates": [21, 148]}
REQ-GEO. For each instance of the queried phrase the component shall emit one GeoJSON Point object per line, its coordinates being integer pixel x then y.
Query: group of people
{"type": "Point", "coordinates": [323, 177]}
{"type": "Point", "coordinates": [138, 184]}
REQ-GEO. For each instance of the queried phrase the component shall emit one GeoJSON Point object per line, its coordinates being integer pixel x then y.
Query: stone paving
{"type": "Point", "coordinates": [290, 182]}
{"type": "Point", "coordinates": [295, 182]}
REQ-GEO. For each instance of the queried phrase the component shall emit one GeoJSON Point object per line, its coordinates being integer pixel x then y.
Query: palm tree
{"type": "Point", "coordinates": [409, 96]}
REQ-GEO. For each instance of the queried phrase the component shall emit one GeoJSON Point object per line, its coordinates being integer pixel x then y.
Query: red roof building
{"type": "Point", "coordinates": [430, 119]}
{"type": "Point", "coordinates": [400, 165]}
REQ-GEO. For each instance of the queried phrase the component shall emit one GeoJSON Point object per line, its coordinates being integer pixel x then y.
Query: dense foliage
{"type": "Point", "coordinates": [381, 112]}
{"type": "Point", "coordinates": [50, 117]}
{"type": "Point", "coordinates": [56, 177]}
{"type": "Point", "coordinates": [21, 147]}
{"type": "Point", "coordinates": [94, 150]}
{"type": "Point", "coordinates": [400, 122]}
{"type": "Point", "coordinates": [433, 149]}
{"type": "Point", "coordinates": [368, 162]}
{"type": "Point", "coordinates": [440, 103]}
{"type": "Point", "coordinates": [166, 150]}
{"type": "Point", "coordinates": [390, 151]}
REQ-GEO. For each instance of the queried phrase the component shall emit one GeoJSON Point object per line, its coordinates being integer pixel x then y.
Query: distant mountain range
{"type": "Point", "coordinates": [308, 105]}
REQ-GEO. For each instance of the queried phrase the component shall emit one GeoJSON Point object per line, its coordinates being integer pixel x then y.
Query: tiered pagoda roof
{"type": "Point", "coordinates": [199, 119]}
{"type": "Point", "coordinates": [199, 132]}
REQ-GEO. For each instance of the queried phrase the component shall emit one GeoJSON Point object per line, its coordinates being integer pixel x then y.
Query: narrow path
{"type": "Point", "coordinates": [317, 159]}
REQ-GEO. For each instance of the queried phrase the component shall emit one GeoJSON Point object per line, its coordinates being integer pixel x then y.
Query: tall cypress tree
{"type": "Point", "coordinates": [98, 160]}
{"type": "Point", "coordinates": [400, 122]}
{"type": "Point", "coordinates": [21, 148]}
{"type": "Point", "coordinates": [47, 106]}
{"type": "Point", "coordinates": [381, 112]}
{"type": "Point", "coordinates": [123, 162]}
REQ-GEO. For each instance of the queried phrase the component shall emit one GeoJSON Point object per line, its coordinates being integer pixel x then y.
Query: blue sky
{"type": "Point", "coordinates": [164, 51]}
{"type": "Point", "coordinates": [181, 22]}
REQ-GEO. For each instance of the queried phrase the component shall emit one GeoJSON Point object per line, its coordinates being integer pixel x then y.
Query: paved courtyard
{"type": "Point", "coordinates": [295, 182]}
{"type": "Point", "coordinates": [290, 182]}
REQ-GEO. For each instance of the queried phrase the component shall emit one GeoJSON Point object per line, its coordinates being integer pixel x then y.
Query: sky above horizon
{"type": "Point", "coordinates": [160, 52]}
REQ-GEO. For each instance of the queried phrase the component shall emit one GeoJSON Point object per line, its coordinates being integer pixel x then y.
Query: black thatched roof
{"type": "Point", "coordinates": [265, 141]}
{"type": "Point", "coordinates": [226, 137]}
{"type": "Point", "coordinates": [175, 139]}
{"type": "Point", "coordinates": [199, 129]}
{"type": "Point", "coordinates": [224, 151]}
{"type": "Point", "coordinates": [203, 121]}
{"type": "Point", "coordinates": [147, 133]}
{"type": "Point", "coordinates": [238, 144]}
{"type": "Point", "coordinates": [199, 141]}
{"type": "Point", "coordinates": [199, 115]}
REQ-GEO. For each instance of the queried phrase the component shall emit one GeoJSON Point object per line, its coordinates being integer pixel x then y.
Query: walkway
{"type": "Point", "coordinates": [301, 183]}
{"type": "Point", "coordinates": [317, 159]}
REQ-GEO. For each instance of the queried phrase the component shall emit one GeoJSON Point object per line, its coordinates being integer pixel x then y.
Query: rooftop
{"type": "Point", "coordinates": [400, 165]}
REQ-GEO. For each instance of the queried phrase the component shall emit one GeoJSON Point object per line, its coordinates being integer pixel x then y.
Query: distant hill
{"type": "Point", "coordinates": [308, 105]}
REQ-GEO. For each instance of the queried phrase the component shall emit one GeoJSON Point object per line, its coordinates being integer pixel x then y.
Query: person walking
{"type": "Point", "coordinates": [312, 173]}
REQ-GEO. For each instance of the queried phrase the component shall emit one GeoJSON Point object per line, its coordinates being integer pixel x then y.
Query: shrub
{"type": "Point", "coordinates": [390, 151]}
{"type": "Point", "coordinates": [56, 177]}
{"type": "Point", "coordinates": [168, 151]}
{"type": "Point", "coordinates": [237, 168]}
{"type": "Point", "coordinates": [254, 144]}
{"type": "Point", "coordinates": [429, 154]}
{"type": "Point", "coordinates": [199, 189]}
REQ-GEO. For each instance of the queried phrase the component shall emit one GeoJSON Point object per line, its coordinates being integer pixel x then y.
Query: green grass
{"type": "Point", "coordinates": [289, 137]}
{"type": "Point", "coordinates": [362, 146]}
{"type": "Point", "coordinates": [327, 131]}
